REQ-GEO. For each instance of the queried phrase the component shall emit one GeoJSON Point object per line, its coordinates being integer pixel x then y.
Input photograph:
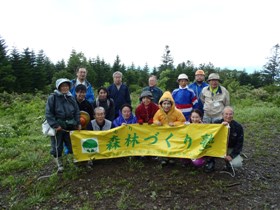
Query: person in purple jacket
{"type": "Point", "coordinates": [125, 116]}
{"type": "Point", "coordinates": [185, 99]}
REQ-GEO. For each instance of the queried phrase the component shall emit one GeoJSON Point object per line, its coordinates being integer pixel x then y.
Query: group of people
{"type": "Point", "coordinates": [73, 106]}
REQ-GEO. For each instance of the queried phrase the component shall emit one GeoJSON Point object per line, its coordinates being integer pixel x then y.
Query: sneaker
{"type": "Point", "coordinates": [227, 167]}
{"type": "Point", "coordinates": [209, 166]}
{"type": "Point", "coordinates": [163, 162]}
{"type": "Point", "coordinates": [60, 169]}
{"type": "Point", "coordinates": [58, 162]}
{"type": "Point", "coordinates": [90, 164]}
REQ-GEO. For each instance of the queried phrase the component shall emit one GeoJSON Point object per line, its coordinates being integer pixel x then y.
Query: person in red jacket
{"type": "Point", "coordinates": [146, 109]}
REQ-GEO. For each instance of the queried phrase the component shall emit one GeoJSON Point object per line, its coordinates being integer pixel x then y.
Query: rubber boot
{"type": "Point", "coordinates": [59, 164]}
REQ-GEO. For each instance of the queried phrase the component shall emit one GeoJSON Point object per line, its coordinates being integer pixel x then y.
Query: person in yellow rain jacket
{"type": "Point", "coordinates": [168, 114]}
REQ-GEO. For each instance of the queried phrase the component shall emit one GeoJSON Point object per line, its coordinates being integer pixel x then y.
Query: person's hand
{"type": "Point", "coordinates": [225, 123]}
{"type": "Point", "coordinates": [79, 127]}
{"type": "Point", "coordinates": [59, 128]}
{"type": "Point", "coordinates": [228, 158]}
{"type": "Point", "coordinates": [157, 123]}
{"type": "Point", "coordinates": [124, 123]}
{"type": "Point", "coordinates": [171, 124]}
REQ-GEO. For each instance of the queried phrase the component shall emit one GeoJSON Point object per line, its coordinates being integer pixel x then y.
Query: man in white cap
{"type": "Point", "coordinates": [185, 98]}
{"type": "Point", "coordinates": [198, 85]}
{"type": "Point", "coordinates": [214, 98]}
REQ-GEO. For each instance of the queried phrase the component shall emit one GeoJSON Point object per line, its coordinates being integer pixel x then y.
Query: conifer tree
{"type": "Point", "coordinates": [7, 77]}
{"type": "Point", "coordinates": [272, 67]}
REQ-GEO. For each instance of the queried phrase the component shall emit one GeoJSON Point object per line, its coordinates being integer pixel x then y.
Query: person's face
{"type": "Point", "coordinates": [100, 116]}
{"type": "Point", "coordinates": [199, 77]}
{"type": "Point", "coordinates": [152, 82]}
{"type": "Point", "coordinates": [82, 74]}
{"type": "Point", "coordinates": [183, 82]}
{"type": "Point", "coordinates": [102, 94]}
{"type": "Point", "coordinates": [64, 88]}
{"type": "Point", "coordinates": [214, 83]}
{"type": "Point", "coordinates": [126, 112]}
{"type": "Point", "coordinates": [228, 115]}
{"type": "Point", "coordinates": [117, 79]}
{"type": "Point", "coordinates": [166, 106]}
{"type": "Point", "coordinates": [146, 101]}
{"type": "Point", "coordinates": [195, 118]}
{"type": "Point", "coordinates": [81, 95]}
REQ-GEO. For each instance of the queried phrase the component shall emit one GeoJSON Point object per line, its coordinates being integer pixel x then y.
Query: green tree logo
{"type": "Point", "coordinates": [90, 145]}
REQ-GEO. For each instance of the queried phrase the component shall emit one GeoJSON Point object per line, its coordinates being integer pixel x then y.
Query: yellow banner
{"type": "Point", "coordinates": [185, 141]}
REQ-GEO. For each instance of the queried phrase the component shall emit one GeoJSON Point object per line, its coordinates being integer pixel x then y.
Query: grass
{"type": "Point", "coordinates": [24, 157]}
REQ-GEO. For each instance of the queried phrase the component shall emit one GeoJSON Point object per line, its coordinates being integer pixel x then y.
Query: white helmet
{"type": "Point", "coordinates": [182, 76]}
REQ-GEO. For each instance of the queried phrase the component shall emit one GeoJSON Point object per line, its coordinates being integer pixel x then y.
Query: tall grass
{"type": "Point", "coordinates": [24, 152]}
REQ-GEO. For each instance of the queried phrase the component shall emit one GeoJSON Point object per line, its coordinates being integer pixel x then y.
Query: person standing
{"type": "Point", "coordinates": [81, 79]}
{"type": "Point", "coordinates": [156, 92]}
{"type": "Point", "coordinates": [119, 92]}
{"type": "Point", "coordinates": [197, 87]}
{"type": "Point", "coordinates": [62, 114]}
{"type": "Point", "coordinates": [185, 99]}
{"type": "Point", "coordinates": [214, 98]}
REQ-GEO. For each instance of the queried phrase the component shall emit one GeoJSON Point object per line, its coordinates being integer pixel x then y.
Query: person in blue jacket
{"type": "Point", "coordinates": [81, 79]}
{"type": "Point", "coordinates": [185, 99]}
{"type": "Point", "coordinates": [197, 87]}
{"type": "Point", "coordinates": [119, 92]}
{"type": "Point", "coordinates": [125, 116]}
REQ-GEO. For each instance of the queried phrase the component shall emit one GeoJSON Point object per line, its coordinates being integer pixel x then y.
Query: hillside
{"type": "Point", "coordinates": [130, 183]}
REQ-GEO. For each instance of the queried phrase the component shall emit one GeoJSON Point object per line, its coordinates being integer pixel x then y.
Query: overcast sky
{"type": "Point", "coordinates": [235, 34]}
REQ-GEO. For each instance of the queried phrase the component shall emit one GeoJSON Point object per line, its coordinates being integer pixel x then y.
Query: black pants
{"type": "Point", "coordinates": [57, 143]}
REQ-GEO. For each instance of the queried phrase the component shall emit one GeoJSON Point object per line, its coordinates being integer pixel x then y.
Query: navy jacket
{"type": "Point", "coordinates": [236, 137]}
{"type": "Point", "coordinates": [120, 97]}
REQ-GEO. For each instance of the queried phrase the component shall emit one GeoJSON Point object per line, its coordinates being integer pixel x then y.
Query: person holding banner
{"type": "Point", "coordinates": [62, 114]}
{"type": "Point", "coordinates": [235, 142]}
{"type": "Point", "coordinates": [196, 118]}
{"type": "Point", "coordinates": [169, 115]}
{"type": "Point", "coordinates": [125, 116]}
{"type": "Point", "coordinates": [147, 109]}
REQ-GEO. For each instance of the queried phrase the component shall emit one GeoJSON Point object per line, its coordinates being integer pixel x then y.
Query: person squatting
{"type": "Point", "coordinates": [72, 106]}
